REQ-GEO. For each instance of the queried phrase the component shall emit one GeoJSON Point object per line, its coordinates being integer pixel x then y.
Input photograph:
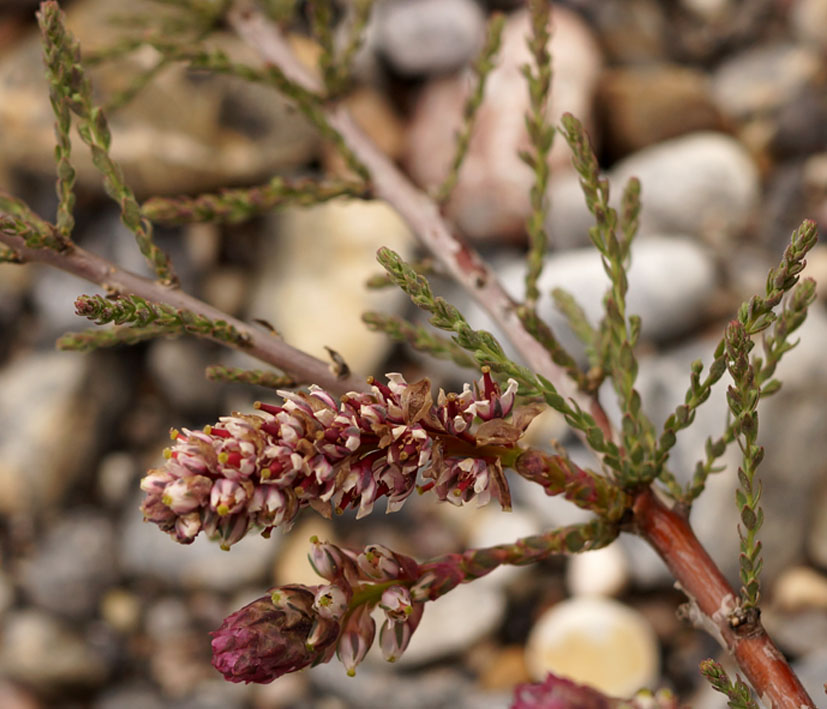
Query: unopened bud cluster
{"type": "Point", "coordinates": [258, 470]}
{"type": "Point", "coordinates": [301, 626]}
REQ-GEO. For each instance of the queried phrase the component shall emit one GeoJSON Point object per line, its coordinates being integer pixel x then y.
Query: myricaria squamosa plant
{"type": "Point", "coordinates": [333, 441]}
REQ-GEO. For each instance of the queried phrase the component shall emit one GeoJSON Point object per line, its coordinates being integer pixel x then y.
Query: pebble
{"type": "Point", "coordinates": [491, 198]}
{"type": "Point", "coordinates": [146, 551]}
{"type": "Point", "coordinates": [596, 641]}
{"type": "Point", "coordinates": [703, 184]}
{"type": "Point", "coordinates": [310, 284]}
{"type": "Point", "coordinates": [429, 36]}
{"type": "Point", "coordinates": [378, 687]}
{"type": "Point", "coordinates": [602, 572]}
{"type": "Point", "coordinates": [643, 105]}
{"type": "Point", "coordinates": [41, 652]}
{"type": "Point", "coordinates": [41, 457]}
{"type": "Point", "coordinates": [717, 181]}
{"type": "Point", "coordinates": [817, 535]}
{"type": "Point", "coordinates": [292, 564]}
{"type": "Point", "coordinates": [117, 478]}
{"type": "Point", "coordinates": [762, 78]}
{"type": "Point", "coordinates": [177, 367]}
{"type": "Point", "coordinates": [800, 587]}
{"type": "Point", "coordinates": [72, 566]}
{"type": "Point", "coordinates": [121, 609]}
{"type": "Point", "coordinates": [631, 31]}
{"type": "Point", "coordinates": [809, 22]}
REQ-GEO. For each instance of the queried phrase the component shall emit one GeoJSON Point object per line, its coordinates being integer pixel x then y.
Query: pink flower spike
{"type": "Point", "coordinates": [357, 637]}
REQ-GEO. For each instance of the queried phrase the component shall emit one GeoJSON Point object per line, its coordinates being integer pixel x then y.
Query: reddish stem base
{"type": "Point", "coordinates": [710, 594]}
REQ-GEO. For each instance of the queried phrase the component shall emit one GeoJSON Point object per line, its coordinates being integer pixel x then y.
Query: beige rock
{"type": "Point", "coordinates": [603, 572]}
{"type": "Point", "coordinates": [491, 200]}
{"type": "Point", "coordinates": [800, 587]}
{"type": "Point", "coordinates": [310, 287]}
{"type": "Point", "coordinates": [645, 105]}
{"type": "Point", "coordinates": [595, 641]}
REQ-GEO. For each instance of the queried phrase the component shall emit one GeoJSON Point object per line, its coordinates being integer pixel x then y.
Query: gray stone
{"type": "Point", "coordinates": [443, 687]}
{"type": "Point", "coordinates": [702, 184]}
{"type": "Point", "coordinates": [47, 432]}
{"type": "Point", "coordinates": [429, 36]}
{"type": "Point", "coordinates": [763, 78]}
{"type": "Point", "coordinates": [145, 550]}
{"type": "Point", "coordinates": [40, 651]}
{"type": "Point", "coordinates": [178, 367]}
{"type": "Point", "coordinates": [72, 565]}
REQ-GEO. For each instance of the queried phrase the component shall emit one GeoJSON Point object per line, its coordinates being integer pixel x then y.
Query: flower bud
{"type": "Point", "coordinates": [263, 641]}
{"type": "Point", "coordinates": [396, 602]}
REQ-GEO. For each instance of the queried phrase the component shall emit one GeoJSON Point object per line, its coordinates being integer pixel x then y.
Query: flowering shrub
{"type": "Point", "coordinates": [336, 443]}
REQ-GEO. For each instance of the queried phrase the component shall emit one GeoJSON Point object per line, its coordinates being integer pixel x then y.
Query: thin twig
{"type": "Point", "coordinates": [117, 281]}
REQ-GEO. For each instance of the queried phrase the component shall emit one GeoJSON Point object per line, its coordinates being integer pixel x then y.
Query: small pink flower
{"type": "Point", "coordinates": [397, 604]}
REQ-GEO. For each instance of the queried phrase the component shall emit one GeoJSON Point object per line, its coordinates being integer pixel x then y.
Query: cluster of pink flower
{"type": "Point", "coordinates": [301, 626]}
{"type": "Point", "coordinates": [258, 470]}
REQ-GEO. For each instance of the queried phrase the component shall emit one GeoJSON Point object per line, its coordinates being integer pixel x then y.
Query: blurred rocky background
{"type": "Point", "coordinates": [718, 106]}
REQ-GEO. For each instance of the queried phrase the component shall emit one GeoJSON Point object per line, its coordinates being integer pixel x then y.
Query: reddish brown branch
{"type": "Point", "coordinates": [260, 344]}
{"type": "Point", "coordinates": [713, 601]}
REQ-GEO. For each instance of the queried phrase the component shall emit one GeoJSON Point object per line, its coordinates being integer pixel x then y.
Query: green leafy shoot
{"type": "Point", "coordinates": [419, 338]}
{"type": "Point", "coordinates": [756, 315]}
{"type": "Point", "coordinates": [65, 69]}
{"type": "Point", "coordinates": [541, 135]}
{"type": "Point", "coordinates": [619, 331]}
{"type": "Point", "coordinates": [94, 339]}
{"type": "Point", "coordinates": [738, 693]}
{"type": "Point", "coordinates": [359, 14]}
{"type": "Point", "coordinates": [237, 205]}
{"type": "Point", "coordinates": [425, 267]}
{"type": "Point", "coordinates": [482, 68]}
{"type": "Point", "coordinates": [168, 319]}
{"type": "Point", "coordinates": [17, 219]}
{"type": "Point", "coordinates": [257, 377]}
{"type": "Point", "coordinates": [742, 398]}
{"type": "Point", "coordinates": [321, 24]}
